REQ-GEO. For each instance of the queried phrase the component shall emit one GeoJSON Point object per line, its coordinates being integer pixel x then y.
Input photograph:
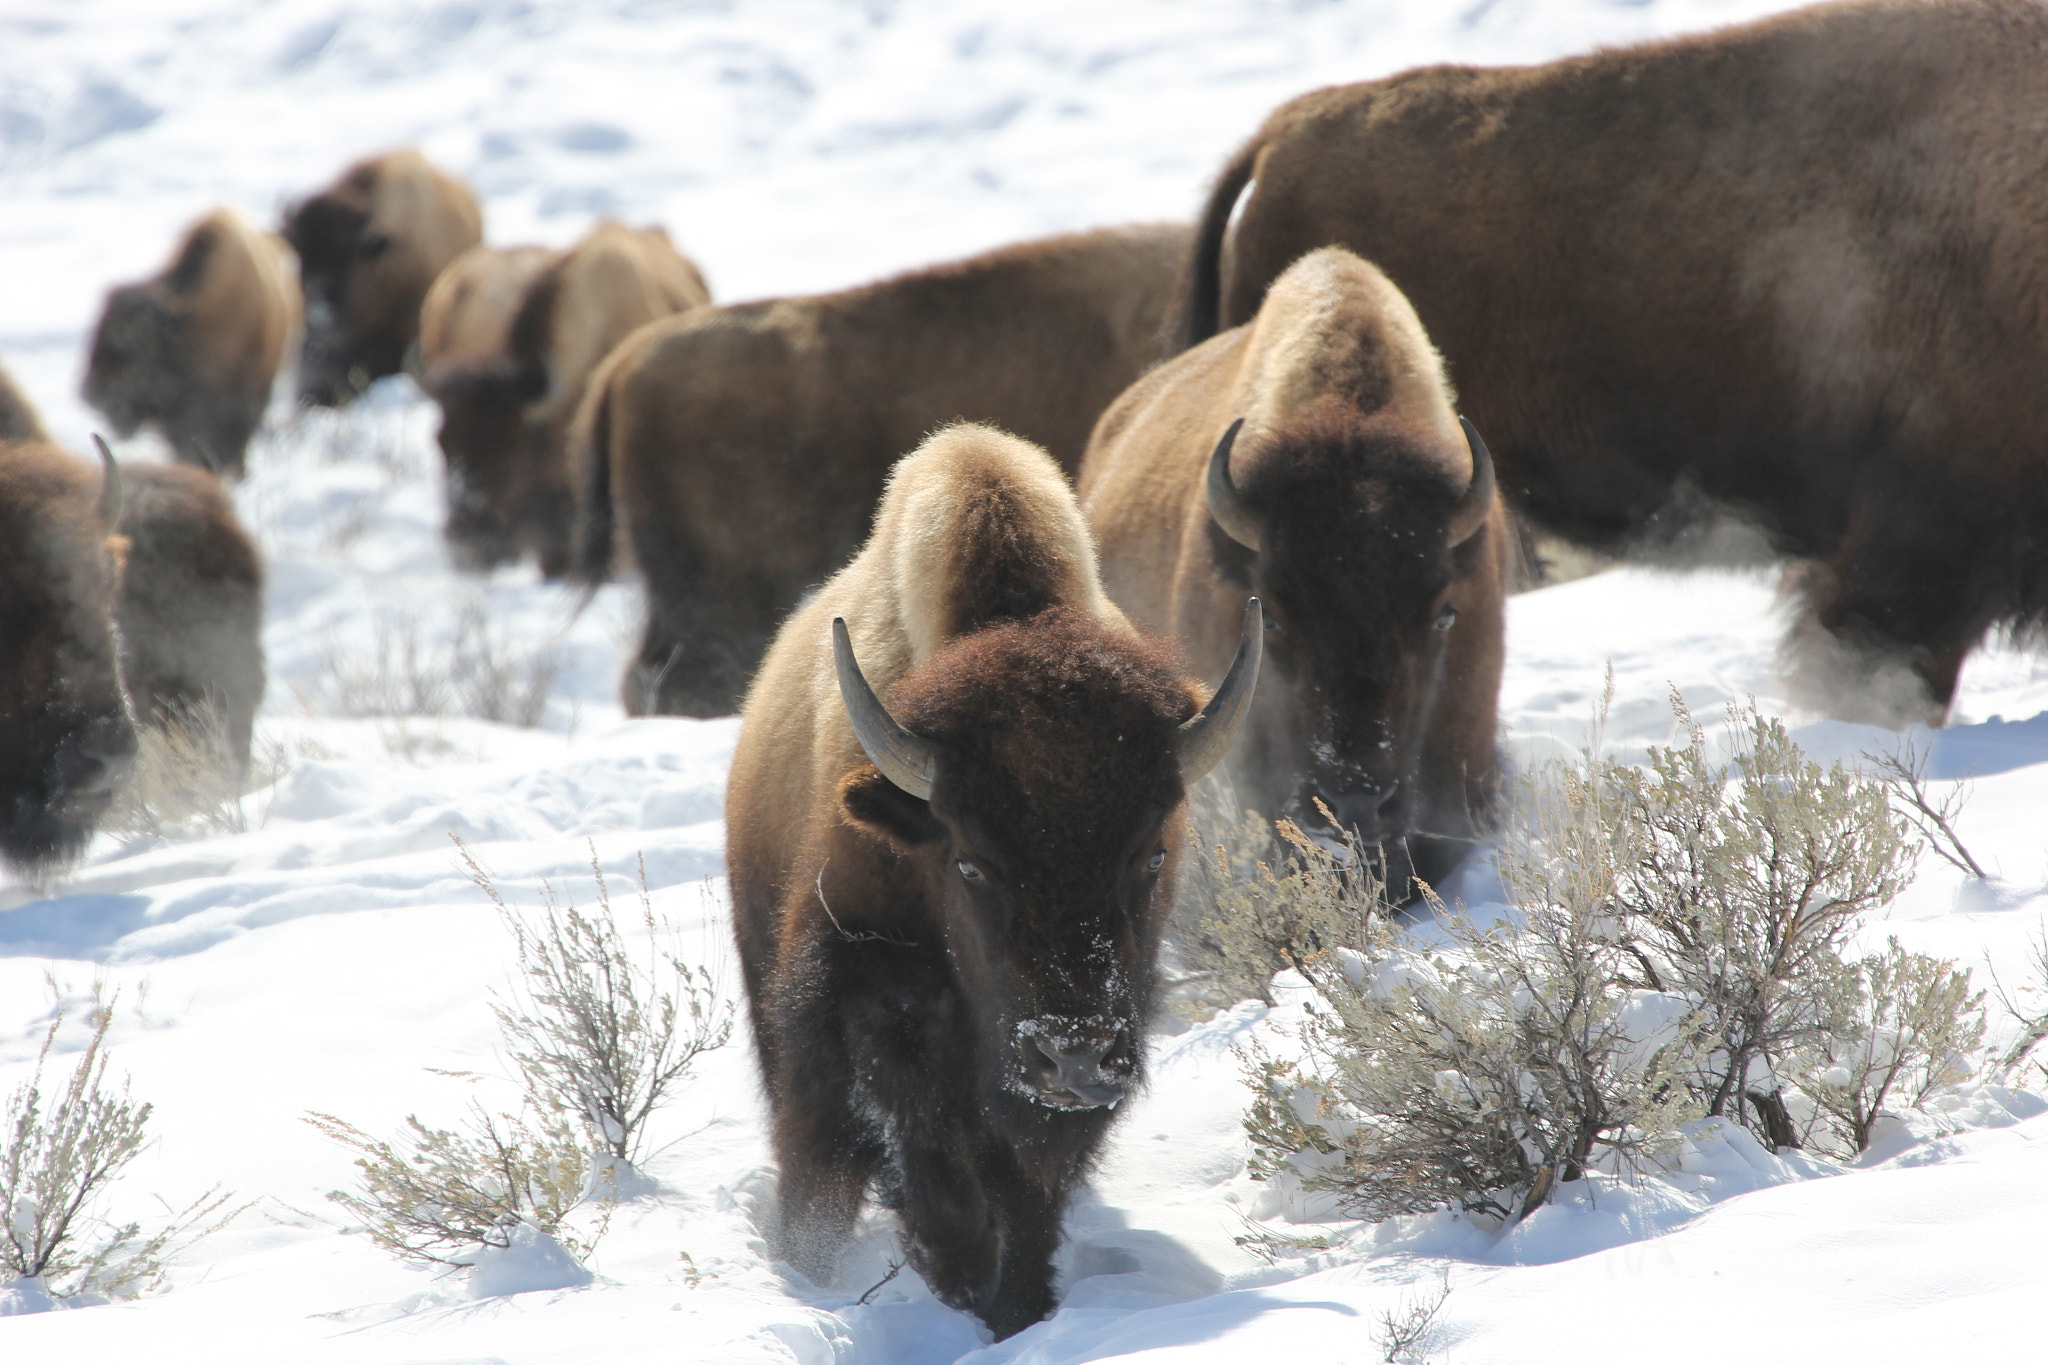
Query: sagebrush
{"type": "Point", "coordinates": [63, 1153]}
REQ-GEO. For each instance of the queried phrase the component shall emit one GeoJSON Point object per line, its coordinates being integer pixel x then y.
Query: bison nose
{"type": "Point", "coordinates": [99, 764]}
{"type": "Point", "coordinates": [1077, 1071]}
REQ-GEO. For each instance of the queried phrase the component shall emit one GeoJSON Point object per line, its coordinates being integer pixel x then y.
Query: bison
{"type": "Point", "coordinates": [744, 446]}
{"type": "Point", "coordinates": [144, 577]}
{"type": "Point", "coordinates": [1313, 457]}
{"type": "Point", "coordinates": [1792, 270]}
{"type": "Point", "coordinates": [195, 349]}
{"type": "Point", "coordinates": [369, 248]}
{"type": "Point", "coordinates": [508, 342]}
{"type": "Point", "coordinates": [948, 904]}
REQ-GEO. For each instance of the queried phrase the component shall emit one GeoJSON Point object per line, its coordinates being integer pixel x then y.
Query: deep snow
{"type": "Point", "coordinates": [327, 957]}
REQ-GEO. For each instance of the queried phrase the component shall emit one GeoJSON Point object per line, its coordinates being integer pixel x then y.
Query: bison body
{"type": "Point", "coordinates": [135, 596]}
{"type": "Point", "coordinates": [508, 341]}
{"type": "Point", "coordinates": [1351, 503]}
{"type": "Point", "coordinates": [195, 350]}
{"type": "Point", "coordinates": [369, 247]}
{"type": "Point", "coordinates": [67, 738]}
{"type": "Point", "coordinates": [744, 447]}
{"type": "Point", "coordinates": [1792, 270]}
{"type": "Point", "coordinates": [948, 905]}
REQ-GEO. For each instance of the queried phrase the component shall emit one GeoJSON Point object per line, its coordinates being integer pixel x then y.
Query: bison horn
{"type": "Point", "coordinates": [1205, 739]}
{"type": "Point", "coordinates": [110, 487]}
{"type": "Point", "coordinates": [1472, 509]}
{"type": "Point", "coordinates": [1226, 505]}
{"type": "Point", "coordinates": [904, 758]}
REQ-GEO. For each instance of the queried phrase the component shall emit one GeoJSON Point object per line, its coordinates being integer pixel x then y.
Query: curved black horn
{"type": "Point", "coordinates": [1470, 513]}
{"type": "Point", "coordinates": [110, 487]}
{"type": "Point", "coordinates": [1205, 739]}
{"type": "Point", "coordinates": [1225, 504]}
{"type": "Point", "coordinates": [905, 759]}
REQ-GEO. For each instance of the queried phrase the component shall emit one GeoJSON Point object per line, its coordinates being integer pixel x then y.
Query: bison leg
{"type": "Point", "coordinates": [1885, 626]}
{"type": "Point", "coordinates": [827, 1159]}
{"type": "Point", "coordinates": [981, 1234]}
{"type": "Point", "coordinates": [1031, 1234]}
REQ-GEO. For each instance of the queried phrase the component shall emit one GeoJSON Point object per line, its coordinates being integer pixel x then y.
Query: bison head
{"type": "Point", "coordinates": [486, 443]}
{"type": "Point", "coordinates": [1030, 779]}
{"type": "Point", "coordinates": [1371, 552]}
{"type": "Point", "coordinates": [67, 739]}
{"type": "Point", "coordinates": [140, 370]}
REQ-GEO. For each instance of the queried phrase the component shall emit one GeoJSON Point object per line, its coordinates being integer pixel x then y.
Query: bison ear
{"type": "Point", "coordinates": [872, 800]}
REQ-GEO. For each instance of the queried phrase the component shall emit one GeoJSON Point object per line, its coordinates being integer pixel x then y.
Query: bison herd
{"type": "Point", "coordinates": [969, 547]}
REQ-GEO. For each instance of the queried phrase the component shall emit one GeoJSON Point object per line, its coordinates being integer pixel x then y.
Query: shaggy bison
{"type": "Point", "coordinates": [142, 575]}
{"type": "Point", "coordinates": [508, 342]}
{"type": "Point", "coordinates": [1793, 269]}
{"type": "Point", "coordinates": [744, 447]}
{"type": "Point", "coordinates": [948, 903]}
{"type": "Point", "coordinates": [195, 349]}
{"type": "Point", "coordinates": [369, 248]}
{"type": "Point", "coordinates": [1313, 457]}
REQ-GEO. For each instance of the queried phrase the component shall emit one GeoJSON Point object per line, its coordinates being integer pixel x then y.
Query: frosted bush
{"type": "Point", "coordinates": [62, 1154]}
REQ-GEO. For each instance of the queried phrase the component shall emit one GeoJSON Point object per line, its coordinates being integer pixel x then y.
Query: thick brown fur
{"type": "Point", "coordinates": [1352, 461]}
{"type": "Point", "coordinates": [19, 420]}
{"type": "Point", "coordinates": [467, 367]}
{"type": "Point", "coordinates": [743, 448]}
{"type": "Point", "coordinates": [191, 604]}
{"type": "Point", "coordinates": [67, 740]}
{"type": "Point", "coordinates": [195, 349]}
{"type": "Point", "coordinates": [369, 247]}
{"type": "Point", "coordinates": [153, 618]}
{"type": "Point", "coordinates": [896, 1002]}
{"type": "Point", "coordinates": [1740, 270]}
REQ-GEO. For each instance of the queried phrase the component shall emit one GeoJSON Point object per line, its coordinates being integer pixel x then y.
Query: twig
{"type": "Point", "coordinates": [864, 936]}
{"type": "Point", "coordinates": [895, 1269]}
{"type": "Point", "coordinates": [1908, 782]}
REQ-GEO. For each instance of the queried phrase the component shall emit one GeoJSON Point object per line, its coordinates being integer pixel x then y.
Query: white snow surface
{"type": "Point", "coordinates": [326, 958]}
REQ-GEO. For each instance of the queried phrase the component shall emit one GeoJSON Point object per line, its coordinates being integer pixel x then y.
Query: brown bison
{"type": "Point", "coordinates": [19, 420]}
{"type": "Point", "coordinates": [145, 576]}
{"type": "Point", "coordinates": [1793, 269]}
{"type": "Point", "coordinates": [744, 447]}
{"type": "Point", "coordinates": [369, 248]}
{"type": "Point", "coordinates": [948, 904]}
{"type": "Point", "coordinates": [1313, 457]}
{"type": "Point", "coordinates": [466, 367]}
{"type": "Point", "coordinates": [194, 350]}
{"type": "Point", "coordinates": [508, 342]}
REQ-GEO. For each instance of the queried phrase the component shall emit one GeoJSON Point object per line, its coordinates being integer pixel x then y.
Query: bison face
{"type": "Point", "coordinates": [67, 740]}
{"type": "Point", "coordinates": [363, 286]}
{"type": "Point", "coordinates": [1033, 782]}
{"type": "Point", "coordinates": [485, 440]}
{"type": "Point", "coordinates": [140, 370]}
{"type": "Point", "coordinates": [1373, 566]}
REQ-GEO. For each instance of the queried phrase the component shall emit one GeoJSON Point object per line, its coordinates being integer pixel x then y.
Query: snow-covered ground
{"type": "Point", "coordinates": [328, 956]}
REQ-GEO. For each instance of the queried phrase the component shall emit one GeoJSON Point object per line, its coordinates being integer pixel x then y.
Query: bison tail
{"type": "Point", "coordinates": [596, 518]}
{"type": "Point", "coordinates": [1202, 279]}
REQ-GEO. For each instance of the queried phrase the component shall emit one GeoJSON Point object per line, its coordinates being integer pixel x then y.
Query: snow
{"type": "Point", "coordinates": [328, 955]}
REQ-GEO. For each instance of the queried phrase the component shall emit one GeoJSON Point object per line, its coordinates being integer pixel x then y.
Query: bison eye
{"type": "Point", "coordinates": [1156, 861]}
{"type": "Point", "coordinates": [1445, 619]}
{"type": "Point", "coordinates": [372, 245]}
{"type": "Point", "coordinates": [970, 872]}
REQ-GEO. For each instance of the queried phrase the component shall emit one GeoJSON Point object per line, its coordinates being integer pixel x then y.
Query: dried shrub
{"type": "Point", "coordinates": [471, 670]}
{"type": "Point", "coordinates": [186, 783]}
{"type": "Point", "coordinates": [439, 1195]}
{"type": "Point", "coordinates": [1739, 889]}
{"type": "Point", "coordinates": [1913, 1031]}
{"type": "Point", "coordinates": [595, 1030]}
{"type": "Point", "coordinates": [63, 1152]}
